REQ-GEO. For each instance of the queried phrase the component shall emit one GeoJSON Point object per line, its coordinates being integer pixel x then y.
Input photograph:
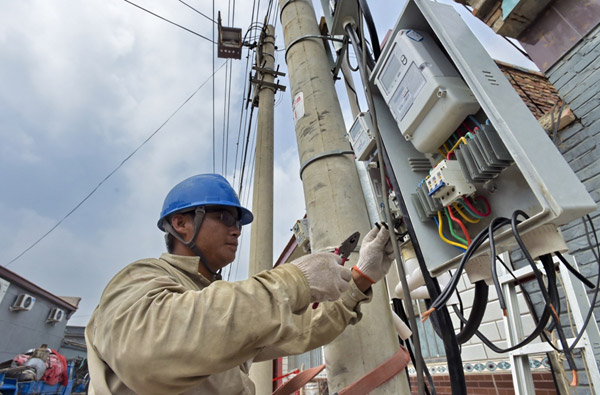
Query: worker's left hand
{"type": "Point", "coordinates": [376, 255]}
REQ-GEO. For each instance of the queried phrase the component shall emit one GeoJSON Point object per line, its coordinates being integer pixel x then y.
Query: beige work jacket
{"type": "Point", "coordinates": [163, 328]}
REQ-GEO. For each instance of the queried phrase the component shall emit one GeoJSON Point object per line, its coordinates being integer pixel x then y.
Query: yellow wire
{"type": "Point", "coordinates": [446, 148]}
{"type": "Point", "coordinates": [462, 139]}
{"type": "Point", "coordinates": [442, 234]}
{"type": "Point", "coordinates": [473, 221]}
{"type": "Point", "coordinates": [442, 152]}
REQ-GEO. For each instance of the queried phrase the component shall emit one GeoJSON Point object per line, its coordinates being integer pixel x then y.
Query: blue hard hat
{"type": "Point", "coordinates": [202, 190]}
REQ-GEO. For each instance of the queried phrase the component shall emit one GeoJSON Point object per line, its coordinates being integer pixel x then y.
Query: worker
{"type": "Point", "coordinates": [171, 326]}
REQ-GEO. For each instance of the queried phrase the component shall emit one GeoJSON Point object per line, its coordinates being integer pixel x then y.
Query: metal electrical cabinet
{"type": "Point", "coordinates": [531, 174]}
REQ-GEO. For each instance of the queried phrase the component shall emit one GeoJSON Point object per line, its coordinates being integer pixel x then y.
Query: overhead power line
{"type": "Point", "coordinates": [173, 23]}
{"type": "Point", "coordinates": [199, 12]}
{"type": "Point", "coordinates": [114, 170]}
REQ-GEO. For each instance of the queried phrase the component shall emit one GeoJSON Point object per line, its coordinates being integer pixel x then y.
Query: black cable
{"type": "Point", "coordinates": [455, 369]}
{"type": "Point", "coordinates": [529, 303]}
{"type": "Point", "coordinates": [442, 299]}
{"type": "Point", "coordinates": [358, 50]}
{"type": "Point", "coordinates": [477, 311]}
{"type": "Point", "coordinates": [545, 295]}
{"type": "Point", "coordinates": [477, 241]}
{"type": "Point", "coordinates": [173, 23]}
{"type": "Point", "coordinates": [579, 276]}
{"type": "Point", "coordinates": [364, 7]}
{"type": "Point", "coordinates": [595, 297]}
{"type": "Point", "coordinates": [350, 64]}
{"type": "Point", "coordinates": [461, 308]}
{"type": "Point", "coordinates": [504, 221]}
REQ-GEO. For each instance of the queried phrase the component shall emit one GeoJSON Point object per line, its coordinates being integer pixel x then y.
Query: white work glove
{"type": "Point", "coordinates": [376, 255]}
{"type": "Point", "coordinates": [325, 275]}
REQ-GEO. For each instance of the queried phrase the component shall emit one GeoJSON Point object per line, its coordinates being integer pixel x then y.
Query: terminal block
{"type": "Point", "coordinates": [448, 183]}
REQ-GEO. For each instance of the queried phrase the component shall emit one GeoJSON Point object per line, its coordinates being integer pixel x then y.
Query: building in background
{"type": "Point", "coordinates": [30, 316]}
{"type": "Point", "coordinates": [73, 345]}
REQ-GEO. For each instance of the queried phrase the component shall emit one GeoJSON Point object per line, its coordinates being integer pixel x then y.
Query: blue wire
{"type": "Point", "coordinates": [472, 118]}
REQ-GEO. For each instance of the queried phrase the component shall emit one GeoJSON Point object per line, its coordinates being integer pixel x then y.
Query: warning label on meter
{"type": "Point", "coordinates": [298, 106]}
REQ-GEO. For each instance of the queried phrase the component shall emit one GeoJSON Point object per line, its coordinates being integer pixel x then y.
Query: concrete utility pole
{"type": "Point", "coordinates": [334, 201]}
{"type": "Point", "coordinates": [261, 239]}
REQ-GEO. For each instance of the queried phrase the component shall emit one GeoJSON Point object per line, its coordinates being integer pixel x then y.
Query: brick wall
{"type": "Point", "coordinates": [490, 384]}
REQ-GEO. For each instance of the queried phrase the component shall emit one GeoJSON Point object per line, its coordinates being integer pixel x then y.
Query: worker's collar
{"type": "Point", "coordinates": [188, 264]}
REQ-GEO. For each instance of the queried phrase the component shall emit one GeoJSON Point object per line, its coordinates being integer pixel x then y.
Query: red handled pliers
{"type": "Point", "coordinates": [344, 250]}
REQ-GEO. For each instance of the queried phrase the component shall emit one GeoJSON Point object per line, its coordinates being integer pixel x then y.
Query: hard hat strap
{"type": "Point", "coordinates": [199, 213]}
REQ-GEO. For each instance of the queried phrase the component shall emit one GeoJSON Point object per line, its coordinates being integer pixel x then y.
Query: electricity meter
{"type": "Point", "coordinates": [426, 95]}
{"type": "Point", "coordinates": [361, 136]}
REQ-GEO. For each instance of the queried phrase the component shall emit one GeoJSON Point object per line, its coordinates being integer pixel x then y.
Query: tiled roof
{"type": "Point", "coordinates": [532, 86]}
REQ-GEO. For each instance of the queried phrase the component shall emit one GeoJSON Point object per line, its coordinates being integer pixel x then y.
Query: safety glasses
{"type": "Point", "coordinates": [226, 218]}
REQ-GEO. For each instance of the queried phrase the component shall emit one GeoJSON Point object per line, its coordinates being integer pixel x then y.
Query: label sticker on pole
{"type": "Point", "coordinates": [298, 106]}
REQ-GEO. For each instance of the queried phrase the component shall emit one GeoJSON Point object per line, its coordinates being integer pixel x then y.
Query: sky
{"type": "Point", "coordinates": [83, 85]}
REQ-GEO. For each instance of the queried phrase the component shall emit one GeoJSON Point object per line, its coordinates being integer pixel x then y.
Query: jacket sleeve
{"type": "Point", "coordinates": [317, 327]}
{"type": "Point", "coordinates": [160, 337]}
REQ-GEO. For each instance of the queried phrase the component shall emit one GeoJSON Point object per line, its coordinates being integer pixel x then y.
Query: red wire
{"type": "Point", "coordinates": [485, 201]}
{"type": "Point", "coordinates": [462, 226]}
{"type": "Point", "coordinates": [389, 184]}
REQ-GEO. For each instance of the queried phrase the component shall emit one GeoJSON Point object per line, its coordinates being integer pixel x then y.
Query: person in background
{"type": "Point", "coordinates": [171, 325]}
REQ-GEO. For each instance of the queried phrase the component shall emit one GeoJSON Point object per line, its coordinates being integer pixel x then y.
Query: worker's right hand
{"type": "Point", "coordinates": [325, 275]}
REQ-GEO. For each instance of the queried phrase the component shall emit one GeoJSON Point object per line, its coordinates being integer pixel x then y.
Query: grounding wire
{"type": "Point", "coordinates": [171, 22]}
{"type": "Point", "coordinates": [114, 170]}
{"type": "Point", "coordinates": [407, 298]}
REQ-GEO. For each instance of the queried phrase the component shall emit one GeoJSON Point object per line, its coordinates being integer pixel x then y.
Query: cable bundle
{"type": "Point", "coordinates": [551, 312]}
